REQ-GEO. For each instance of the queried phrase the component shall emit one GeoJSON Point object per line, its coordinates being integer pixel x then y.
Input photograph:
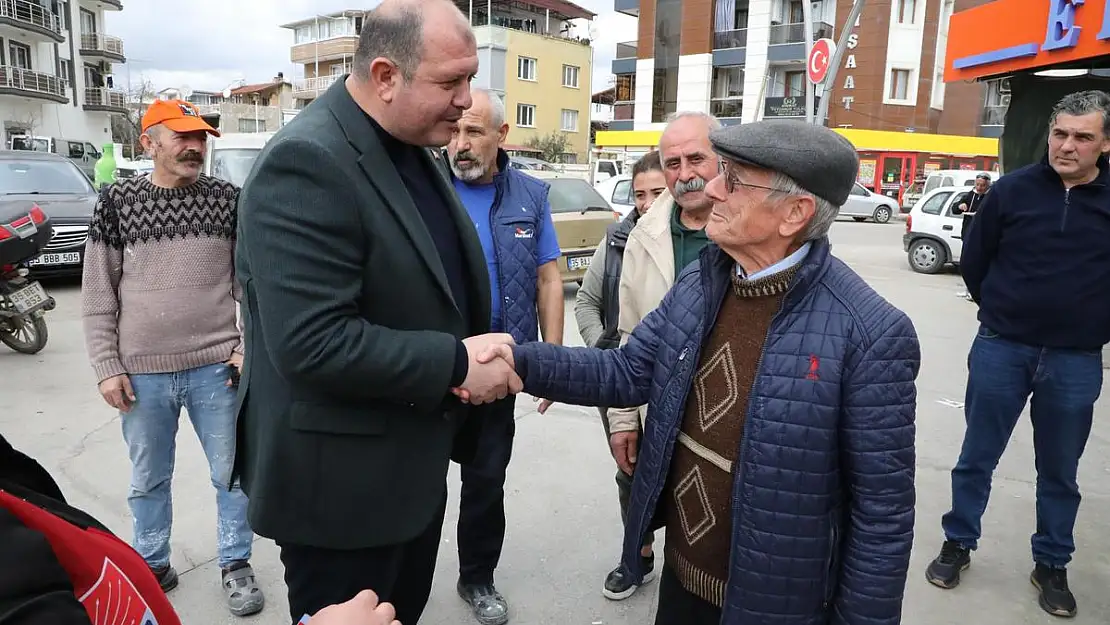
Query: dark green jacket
{"type": "Point", "coordinates": [346, 424]}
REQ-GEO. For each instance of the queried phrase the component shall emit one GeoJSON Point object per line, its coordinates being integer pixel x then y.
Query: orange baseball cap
{"type": "Point", "coordinates": [178, 116]}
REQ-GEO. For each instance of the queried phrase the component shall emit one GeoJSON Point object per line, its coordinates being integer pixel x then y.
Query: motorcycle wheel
{"type": "Point", "coordinates": [28, 338]}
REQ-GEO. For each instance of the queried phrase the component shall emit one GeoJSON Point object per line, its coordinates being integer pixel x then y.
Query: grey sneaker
{"type": "Point", "coordinates": [489, 607]}
{"type": "Point", "coordinates": [244, 597]}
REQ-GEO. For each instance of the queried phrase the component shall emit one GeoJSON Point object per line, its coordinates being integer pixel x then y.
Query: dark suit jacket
{"type": "Point", "coordinates": [346, 424]}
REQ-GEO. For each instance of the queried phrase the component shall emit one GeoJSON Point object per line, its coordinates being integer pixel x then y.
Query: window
{"type": "Point", "coordinates": [61, 9]}
{"type": "Point", "coordinates": [570, 121]}
{"type": "Point", "coordinates": [303, 34]}
{"type": "Point", "coordinates": [247, 124]}
{"type": "Point", "coordinates": [88, 22]}
{"type": "Point", "coordinates": [574, 195]}
{"type": "Point", "coordinates": [900, 84]}
{"type": "Point", "coordinates": [794, 84]}
{"type": "Point", "coordinates": [45, 177]}
{"type": "Point", "coordinates": [858, 190]}
{"type": "Point", "coordinates": [728, 82]}
{"type": "Point", "coordinates": [934, 204]}
{"type": "Point", "coordinates": [526, 115]}
{"type": "Point", "coordinates": [570, 76]}
{"type": "Point", "coordinates": [795, 15]}
{"type": "Point", "coordinates": [19, 55]}
{"type": "Point", "coordinates": [906, 10]}
{"type": "Point", "coordinates": [622, 192]}
{"type": "Point", "coordinates": [65, 69]}
{"type": "Point", "coordinates": [525, 68]}
{"type": "Point", "coordinates": [233, 165]}
{"type": "Point", "coordinates": [625, 88]}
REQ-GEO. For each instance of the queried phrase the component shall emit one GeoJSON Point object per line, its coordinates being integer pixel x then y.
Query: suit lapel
{"type": "Point", "coordinates": [473, 254]}
{"type": "Point", "coordinates": [381, 172]}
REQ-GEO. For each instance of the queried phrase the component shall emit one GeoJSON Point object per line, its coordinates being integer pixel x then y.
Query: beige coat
{"type": "Point", "coordinates": [646, 276]}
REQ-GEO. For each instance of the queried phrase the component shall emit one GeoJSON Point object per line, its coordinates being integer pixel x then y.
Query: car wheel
{"type": "Point", "coordinates": [926, 256]}
{"type": "Point", "coordinates": [882, 214]}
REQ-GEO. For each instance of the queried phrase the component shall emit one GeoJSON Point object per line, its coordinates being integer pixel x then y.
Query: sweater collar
{"type": "Point", "coordinates": [1101, 180]}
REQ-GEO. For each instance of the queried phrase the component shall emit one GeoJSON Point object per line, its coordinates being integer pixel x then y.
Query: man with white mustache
{"type": "Point", "coordinates": [665, 240]}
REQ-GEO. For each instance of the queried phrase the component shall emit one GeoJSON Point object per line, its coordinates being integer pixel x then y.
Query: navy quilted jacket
{"type": "Point", "coordinates": [823, 495]}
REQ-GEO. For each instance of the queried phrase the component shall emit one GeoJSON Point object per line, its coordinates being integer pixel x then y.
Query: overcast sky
{"type": "Point", "coordinates": [218, 42]}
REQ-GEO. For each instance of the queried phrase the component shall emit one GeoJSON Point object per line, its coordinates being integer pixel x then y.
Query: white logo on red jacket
{"type": "Point", "coordinates": [114, 600]}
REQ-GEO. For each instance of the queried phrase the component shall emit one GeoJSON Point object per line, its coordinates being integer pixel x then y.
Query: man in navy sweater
{"type": "Point", "coordinates": [1037, 263]}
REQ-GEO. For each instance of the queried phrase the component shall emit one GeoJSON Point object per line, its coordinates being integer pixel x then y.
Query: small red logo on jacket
{"type": "Point", "coordinates": [814, 364]}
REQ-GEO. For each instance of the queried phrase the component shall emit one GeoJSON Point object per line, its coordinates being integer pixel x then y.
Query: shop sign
{"type": "Point", "coordinates": [787, 107]}
{"type": "Point", "coordinates": [850, 64]}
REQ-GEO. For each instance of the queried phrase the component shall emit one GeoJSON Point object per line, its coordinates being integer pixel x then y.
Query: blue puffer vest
{"type": "Point", "coordinates": [518, 208]}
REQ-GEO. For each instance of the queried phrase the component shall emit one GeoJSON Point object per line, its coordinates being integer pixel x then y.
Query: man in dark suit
{"type": "Point", "coordinates": [361, 273]}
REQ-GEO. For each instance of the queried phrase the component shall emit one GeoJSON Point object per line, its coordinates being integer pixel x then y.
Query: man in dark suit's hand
{"type": "Point", "coordinates": [487, 381]}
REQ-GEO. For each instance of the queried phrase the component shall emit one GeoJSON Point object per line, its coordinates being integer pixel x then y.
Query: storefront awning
{"type": "Point", "coordinates": [1008, 36]}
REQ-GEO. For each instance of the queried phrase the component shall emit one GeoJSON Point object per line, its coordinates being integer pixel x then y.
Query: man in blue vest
{"type": "Point", "coordinates": [511, 212]}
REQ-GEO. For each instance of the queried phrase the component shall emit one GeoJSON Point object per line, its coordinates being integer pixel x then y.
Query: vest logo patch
{"type": "Point", "coordinates": [524, 233]}
{"type": "Point", "coordinates": [114, 600]}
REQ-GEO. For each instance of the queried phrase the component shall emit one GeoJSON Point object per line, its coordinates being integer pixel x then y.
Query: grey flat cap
{"type": "Point", "coordinates": [821, 161]}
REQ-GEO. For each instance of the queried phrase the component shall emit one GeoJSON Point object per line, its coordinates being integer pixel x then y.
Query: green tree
{"type": "Point", "coordinates": [551, 146]}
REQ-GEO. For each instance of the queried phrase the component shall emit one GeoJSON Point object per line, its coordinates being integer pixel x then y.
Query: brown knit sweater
{"type": "Point", "coordinates": [158, 292]}
{"type": "Point", "coordinates": [699, 489]}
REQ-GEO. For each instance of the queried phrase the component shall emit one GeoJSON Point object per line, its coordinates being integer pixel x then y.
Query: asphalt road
{"type": "Point", "coordinates": [564, 528]}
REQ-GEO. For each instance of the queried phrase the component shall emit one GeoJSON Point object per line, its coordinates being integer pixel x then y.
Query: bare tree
{"type": "Point", "coordinates": [126, 127]}
{"type": "Point", "coordinates": [551, 146]}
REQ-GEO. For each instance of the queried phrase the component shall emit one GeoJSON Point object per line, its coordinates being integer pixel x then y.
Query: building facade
{"type": "Point", "coordinates": [743, 60]}
{"type": "Point", "coordinates": [532, 55]}
{"type": "Point", "coordinates": [56, 78]}
{"type": "Point", "coordinates": [323, 46]}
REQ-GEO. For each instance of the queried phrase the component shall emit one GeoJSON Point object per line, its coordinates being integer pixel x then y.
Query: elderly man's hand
{"type": "Point", "coordinates": [623, 447]}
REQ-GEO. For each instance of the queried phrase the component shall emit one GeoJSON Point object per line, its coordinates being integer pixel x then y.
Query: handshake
{"type": "Point", "coordinates": [490, 375]}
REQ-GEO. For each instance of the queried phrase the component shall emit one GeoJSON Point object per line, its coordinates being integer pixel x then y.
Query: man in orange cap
{"type": "Point", "coordinates": [159, 309]}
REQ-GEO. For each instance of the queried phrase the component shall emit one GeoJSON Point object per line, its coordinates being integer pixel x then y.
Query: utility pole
{"type": "Point", "coordinates": [834, 64]}
{"type": "Point", "coordinates": [807, 24]}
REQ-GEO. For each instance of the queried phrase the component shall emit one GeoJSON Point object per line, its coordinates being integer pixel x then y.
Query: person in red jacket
{"type": "Point", "coordinates": [72, 570]}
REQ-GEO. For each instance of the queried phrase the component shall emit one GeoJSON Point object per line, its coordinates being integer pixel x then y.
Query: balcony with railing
{"type": "Point", "coordinates": [726, 107]}
{"type": "Point", "coordinates": [728, 39]}
{"type": "Point", "coordinates": [557, 27]}
{"type": "Point", "coordinates": [102, 46]}
{"type": "Point", "coordinates": [624, 62]}
{"type": "Point", "coordinates": [26, 83]}
{"type": "Point", "coordinates": [104, 99]}
{"type": "Point", "coordinates": [796, 33]}
{"type": "Point", "coordinates": [31, 17]}
{"type": "Point", "coordinates": [308, 88]}
{"type": "Point", "coordinates": [112, 5]}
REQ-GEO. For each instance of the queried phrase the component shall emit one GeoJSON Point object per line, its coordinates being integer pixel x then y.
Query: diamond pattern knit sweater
{"type": "Point", "coordinates": [699, 490]}
{"type": "Point", "coordinates": [159, 292]}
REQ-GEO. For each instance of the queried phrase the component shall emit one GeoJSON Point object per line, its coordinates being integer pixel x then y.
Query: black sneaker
{"type": "Point", "coordinates": [618, 584]}
{"type": "Point", "coordinates": [944, 571]}
{"type": "Point", "coordinates": [167, 577]}
{"type": "Point", "coordinates": [1055, 597]}
{"type": "Point", "coordinates": [488, 605]}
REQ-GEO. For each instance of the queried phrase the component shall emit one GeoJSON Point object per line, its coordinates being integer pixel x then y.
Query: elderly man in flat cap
{"type": "Point", "coordinates": [780, 452]}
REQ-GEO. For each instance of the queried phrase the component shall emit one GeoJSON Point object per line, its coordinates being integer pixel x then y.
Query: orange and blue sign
{"type": "Point", "coordinates": [1008, 36]}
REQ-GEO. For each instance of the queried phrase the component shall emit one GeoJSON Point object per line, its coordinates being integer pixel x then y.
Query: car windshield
{"type": "Point", "coordinates": [42, 177]}
{"type": "Point", "coordinates": [233, 165]}
{"type": "Point", "coordinates": [573, 195]}
{"type": "Point", "coordinates": [29, 143]}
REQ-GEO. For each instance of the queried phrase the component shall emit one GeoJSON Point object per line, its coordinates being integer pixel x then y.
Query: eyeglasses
{"type": "Point", "coordinates": [732, 180]}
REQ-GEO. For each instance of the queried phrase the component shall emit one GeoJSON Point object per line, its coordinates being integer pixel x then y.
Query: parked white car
{"type": "Point", "coordinates": [932, 239]}
{"type": "Point", "coordinates": [617, 191]}
{"type": "Point", "coordinates": [231, 156]}
{"type": "Point", "coordinates": [862, 204]}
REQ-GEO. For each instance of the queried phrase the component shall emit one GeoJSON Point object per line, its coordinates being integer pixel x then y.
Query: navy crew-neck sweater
{"type": "Point", "coordinates": [1037, 259]}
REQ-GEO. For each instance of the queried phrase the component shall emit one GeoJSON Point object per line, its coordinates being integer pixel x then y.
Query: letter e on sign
{"type": "Point", "coordinates": [820, 55]}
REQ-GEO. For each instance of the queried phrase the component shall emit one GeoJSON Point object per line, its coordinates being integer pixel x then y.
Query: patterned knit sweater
{"type": "Point", "coordinates": [158, 291]}
{"type": "Point", "coordinates": [698, 504]}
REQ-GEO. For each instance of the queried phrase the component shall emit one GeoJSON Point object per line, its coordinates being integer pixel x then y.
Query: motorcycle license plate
{"type": "Point", "coordinates": [29, 298]}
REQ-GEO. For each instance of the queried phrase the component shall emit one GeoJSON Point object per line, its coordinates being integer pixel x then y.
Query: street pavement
{"type": "Point", "coordinates": [564, 528]}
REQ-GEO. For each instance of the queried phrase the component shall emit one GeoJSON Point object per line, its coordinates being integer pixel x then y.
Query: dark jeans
{"type": "Point", "coordinates": [481, 529]}
{"type": "Point", "coordinates": [624, 480]}
{"type": "Point", "coordinates": [400, 574]}
{"type": "Point", "coordinates": [678, 606]}
{"type": "Point", "coordinates": [1064, 385]}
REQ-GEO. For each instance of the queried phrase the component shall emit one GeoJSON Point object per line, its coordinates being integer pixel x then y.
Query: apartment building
{"type": "Point", "coordinates": [536, 55]}
{"type": "Point", "coordinates": [323, 46]}
{"type": "Point", "coordinates": [56, 71]}
{"type": "Point", "coordinates": [743, 60]}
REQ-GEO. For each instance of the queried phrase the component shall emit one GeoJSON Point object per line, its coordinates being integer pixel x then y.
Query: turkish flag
{"type": "Point", "coordinates": [114, 600]}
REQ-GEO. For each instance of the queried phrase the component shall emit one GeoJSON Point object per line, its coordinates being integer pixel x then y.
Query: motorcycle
{"type": "Point", "coordinates": [24, 231]}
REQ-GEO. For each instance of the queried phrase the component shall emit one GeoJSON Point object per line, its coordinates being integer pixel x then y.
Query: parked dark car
{"type": "Point", "coordinates": [63, 192]}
